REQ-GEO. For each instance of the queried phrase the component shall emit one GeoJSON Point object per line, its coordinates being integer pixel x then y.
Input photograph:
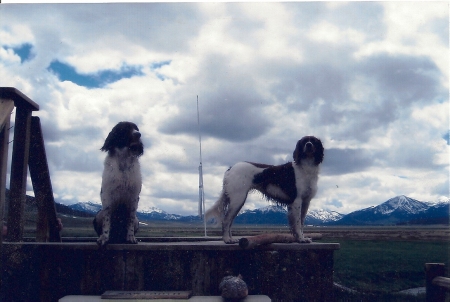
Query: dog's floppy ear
{"type": "Point", "coordinates": [318, 155]}
{"type": "Point", "coordinates": [297, 152]}
{"type": "Point", "coordinates": [118, 137]}
{"type": "Point", "coordinates": [108, 145]}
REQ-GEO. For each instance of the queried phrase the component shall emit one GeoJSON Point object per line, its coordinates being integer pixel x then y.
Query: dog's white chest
{"type": "Point", "coordinates": [121, 180]}
{"type": "Point", "coordinates": [306, 177]}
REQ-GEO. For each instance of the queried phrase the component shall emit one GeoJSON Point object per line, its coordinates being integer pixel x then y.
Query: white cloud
{"type": "Point", "coordinates": [408, 33]}
{"type": "Point", "coordinates": [16, 34]}
{"type": "Point", "coordinates": [328, 32]}
{"type": "Point", "coordinates": [369, 79]}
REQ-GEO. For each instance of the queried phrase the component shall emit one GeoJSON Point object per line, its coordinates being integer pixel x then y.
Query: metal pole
{"type": "Point", "coordinates": [200, 171]}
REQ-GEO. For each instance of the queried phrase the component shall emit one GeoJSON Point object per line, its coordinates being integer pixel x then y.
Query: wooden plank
{"type": "Point", "coordinates": [19, 167]}
{"type": "Point", "coordinates": [268, 238]}
{"type": "Point", "coordinates": [52, 270]}
{"type": "Point", "coordinates": [6, 107]}
{"type": "Point", "coordinates": [442, 282]}
{"type": "Point", "coordinates": [434, 293]}
{"type": "Point", "coordinates": [147, 295]}
{"type": "Point", "coordinates": [4, 138]}
{"type": "Point", "coordinates": [20, 99]}
{"type": "Point", "coordinates": [47, 224]}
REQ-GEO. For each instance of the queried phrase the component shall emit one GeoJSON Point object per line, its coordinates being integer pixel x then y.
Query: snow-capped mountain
{"type": "Point", "coordinates": [401, 204]}
{"type": "Point", "coordinates": [399, 210]}
{"type": "Point", "coordinates": [278, 215]}
{"type": "Point", "coordinates": [440, 201]}
{"type": "Point", "coordinates": [88, 207]}
{"type": "Point", "coordinates": [149, 213]}
{"type": "Point", "coordinates": [153, 213]}
{"type": "Point", "coordinates": [268, 215]}
{"type": "Point", "coordinates": [325, 215]}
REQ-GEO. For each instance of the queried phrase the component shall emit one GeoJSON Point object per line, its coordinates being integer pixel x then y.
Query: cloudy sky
{"type": "Point", "coordinates": [370, 79]}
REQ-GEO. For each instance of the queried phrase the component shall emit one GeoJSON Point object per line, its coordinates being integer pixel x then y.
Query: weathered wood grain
{"type": "Point", "coordinates": [53, 270]}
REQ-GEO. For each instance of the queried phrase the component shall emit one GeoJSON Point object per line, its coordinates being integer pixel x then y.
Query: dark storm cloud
{"type": "Point", "coordinates": [367, 17]}
{"type": "Point", "coordinates": [399, 82]}
{"type": "Point", "coordinates": [159, 26]}
{"type": "Point", "coordinates": [230, 107]}
{"type": "Point", "coordinates": [90, 133]}
{"type": "Point", "coordinates": [412, 154]}
{"type": "Point", "coordinates": [301, 85]}
{"type": "Point", "coordinates": [227, 115]}
{"type": "Point", "coordinates": [70, 158]}
{"type": "Point", "coordinates": [232, 153]}
{"type": "Point", "coordinates": [343, 161]}
{"type": "Point", "coordinates": [64, 148]}
{"type": "Point", "coordinates": [392, 85]}
{"type": "Point", "coordinates": [403, 79]}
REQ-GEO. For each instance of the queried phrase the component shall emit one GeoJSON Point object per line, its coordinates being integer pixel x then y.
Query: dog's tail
{"type": "Point", "coordinates": [215, 214]}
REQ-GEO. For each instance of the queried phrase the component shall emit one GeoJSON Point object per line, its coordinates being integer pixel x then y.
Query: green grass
{"type": "Point", "coordinates": [385, 266]}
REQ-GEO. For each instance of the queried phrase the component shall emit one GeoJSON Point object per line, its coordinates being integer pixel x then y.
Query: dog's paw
{"type": "Point", "coordinates": [304, 240]}
{"type": "Point", "coordinates": [131, 239]}
{"type": "Point", "coordinates": [102, 240]}
{"type": "Point", "coordinates": [230, 240]}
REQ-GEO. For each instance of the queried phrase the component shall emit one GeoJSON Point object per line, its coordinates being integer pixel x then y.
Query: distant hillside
{"type": "Point", "coordinates": [67, 210]}
{"type": "Point", "coordinates": [400, 210]}
{"type": "Point", "coordinates": [278, 215]}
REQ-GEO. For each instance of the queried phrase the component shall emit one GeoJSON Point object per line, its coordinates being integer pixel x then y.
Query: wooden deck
{"type": "Point", "coordinates": [49, 271]}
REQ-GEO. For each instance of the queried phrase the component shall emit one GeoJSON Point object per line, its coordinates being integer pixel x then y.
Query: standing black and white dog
{"type": "Point", "coordinates": [293, 184]}
{"type": "Point", "coordinates": [116, 222]}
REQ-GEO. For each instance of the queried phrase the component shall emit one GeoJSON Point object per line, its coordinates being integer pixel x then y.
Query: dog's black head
{"type": "Point", "coordinates": [307, 147]}
{"type": "Point", "coordinates": [124, 135]}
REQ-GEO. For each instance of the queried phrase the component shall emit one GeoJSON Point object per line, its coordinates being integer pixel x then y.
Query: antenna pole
{"type": "Point", "coordinates": [201, 201]}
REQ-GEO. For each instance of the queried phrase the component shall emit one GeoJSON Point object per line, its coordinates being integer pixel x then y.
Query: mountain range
{"type": "Point", "coordinates": [400, 210]}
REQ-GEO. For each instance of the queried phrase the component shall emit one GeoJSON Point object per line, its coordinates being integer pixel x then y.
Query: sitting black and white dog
{"type": "Point", "coordinates": [116, 222]}
{"type": "Point", "coordinates": [293, 184]}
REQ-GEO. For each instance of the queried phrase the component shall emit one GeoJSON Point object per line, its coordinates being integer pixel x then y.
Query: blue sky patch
{"type": "Point", "coordinates": [23, 51]}
{"type": "Point", "coordinates": [66, 72]}
{"type": "Point", "coordinates": [447, 137]}
{"type": "Point", "coordinates": [158, 65]}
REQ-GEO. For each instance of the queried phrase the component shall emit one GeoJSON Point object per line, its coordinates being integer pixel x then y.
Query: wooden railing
{"type": "Point", "coordinates": [28, 152]}
{"type": "Point", "coordinates": [437, 285]}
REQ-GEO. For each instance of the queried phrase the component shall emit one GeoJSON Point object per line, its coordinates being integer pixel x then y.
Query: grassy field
{"type": "Point", "coordinates": [385, 266]}
{"type": "Point", "coordinates": [374, 261]}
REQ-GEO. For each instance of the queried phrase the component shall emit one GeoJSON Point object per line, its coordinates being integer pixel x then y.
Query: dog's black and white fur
{"type": "Point", "coordinates": [293, 184]}
{"type": "Point", "coordinates": [116, 222]}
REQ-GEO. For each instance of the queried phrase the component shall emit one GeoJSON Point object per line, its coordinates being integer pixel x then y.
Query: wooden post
{"type": "Point", "coordinates": [47, 229]}
{"type": "Point", "coordinates": [434, 293]}
{"type": "Point", "coordinates": [5, 112]}
{"type": "Point", "coordinates": [19, 166]}
{"type": "Point", "coordinates": [6, 107]}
